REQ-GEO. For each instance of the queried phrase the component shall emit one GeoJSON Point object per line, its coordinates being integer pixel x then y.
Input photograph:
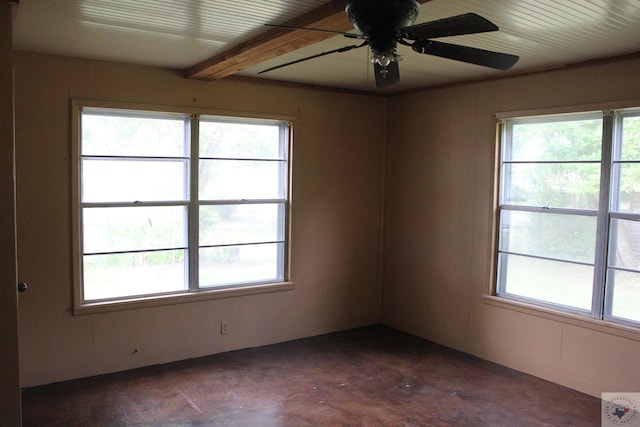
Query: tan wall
{"type": "Point", "coordinates": [437, 240]}
{"type": "Point", "coordinates": [336, 228]}
{"type": "Point", "coordinates": [439, 164]}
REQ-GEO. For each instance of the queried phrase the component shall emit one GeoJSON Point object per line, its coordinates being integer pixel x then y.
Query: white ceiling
{"type": "Point", "coordinates": [179, 34]}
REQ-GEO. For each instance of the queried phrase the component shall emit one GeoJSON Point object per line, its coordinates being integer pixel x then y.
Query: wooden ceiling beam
{"type": "Point", "coordinates": [275, 42]}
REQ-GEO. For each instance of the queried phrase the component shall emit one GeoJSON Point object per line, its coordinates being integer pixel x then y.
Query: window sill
{"type": "Point", "coordinates": [181, 298]}
{"type": "Point", "coordinates": [622, 331]}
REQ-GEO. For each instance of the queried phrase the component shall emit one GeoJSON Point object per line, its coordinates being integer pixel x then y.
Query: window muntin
{"type": "Point", "coordinates": [548, 235]}
{"type": "Point", "coordinates": [127, 180]}
{"type": "Point", "coordinates": [568, 210]}
{"type": "Point", "coordinates": [241, 223]}
{"type": "Point", "coordinates": [553, 184]}
{"type": "Point", "coordinates": [133, 228]}
{"type": "Point", "coordinates": [127, 133]}
{"type": "Point", "coordinates": [156, 220]}
{"type": "Point", "coordinates": [547, 281]}
{"type": "Point", "coordinates": [219, 139]}
{"type": "Point", "coordinates": [240, 179]}
{"type": "Point", "coordinates": [228, 265]}
{"type": "Point", "coordinates": [556, 139]}
{"type": "Point", "coordinates": [133, 274]}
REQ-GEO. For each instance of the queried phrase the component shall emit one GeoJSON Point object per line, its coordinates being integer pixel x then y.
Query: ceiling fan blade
{"type": "Point", "coordinates": [472, 55]}
{"type": "Point", "coordinates": [469, 23]}
{"type": "Point", "coordinates": [289, 27]}
{"type": "Point", "coordinates": [342, 49]}
{"type": "Point", "coordinates": [386, 76]}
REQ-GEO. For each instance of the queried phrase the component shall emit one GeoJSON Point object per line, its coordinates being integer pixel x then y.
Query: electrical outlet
{"type": "Point", "coordinates": [224, 327]}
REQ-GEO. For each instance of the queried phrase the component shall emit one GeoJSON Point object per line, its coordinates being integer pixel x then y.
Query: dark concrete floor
{"type": "Point", "coordinates": [373, 376]}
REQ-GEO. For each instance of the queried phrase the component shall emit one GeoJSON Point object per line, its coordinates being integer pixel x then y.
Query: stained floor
{"type": "Point", "coordinates": [373, 376]}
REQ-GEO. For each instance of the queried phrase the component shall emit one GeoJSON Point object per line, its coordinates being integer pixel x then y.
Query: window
{"type": "Point", "coordinates": [569, 213]}
{"type": "Point", "coordinates": [175, 203]}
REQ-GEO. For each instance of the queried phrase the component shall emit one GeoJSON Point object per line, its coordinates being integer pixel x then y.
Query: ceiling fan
{"type": "Point", "coordinates": [383, 24]}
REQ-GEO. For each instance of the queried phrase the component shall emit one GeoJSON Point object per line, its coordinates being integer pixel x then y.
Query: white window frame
{"type": "Point", "coordinates": [195, 292]}
{"type": "Point", "coordinates": [601, 308]}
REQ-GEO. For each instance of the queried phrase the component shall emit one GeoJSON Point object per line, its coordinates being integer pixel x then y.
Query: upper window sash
{"type": "Point", "coordinates": [520, 158]}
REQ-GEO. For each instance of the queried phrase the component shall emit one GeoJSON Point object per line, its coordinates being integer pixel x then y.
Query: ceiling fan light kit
{"type": "Point", "coordinates": [383, 24]}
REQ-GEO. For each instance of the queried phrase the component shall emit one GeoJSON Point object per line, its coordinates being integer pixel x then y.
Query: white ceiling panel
{"type": "Point", "coordinates": [543, 33]}
{"type": "Point", "coordinates": [165, 33]}
{"type": "Point", "coordinates": [180, 34]}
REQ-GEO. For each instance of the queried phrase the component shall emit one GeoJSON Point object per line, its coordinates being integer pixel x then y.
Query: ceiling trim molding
{"type": "Point", "coordinates": [275, 42]}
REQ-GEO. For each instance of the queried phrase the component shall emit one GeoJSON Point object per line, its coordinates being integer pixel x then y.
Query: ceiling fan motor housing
{"type": "Point", "coordinates": [382, 20]}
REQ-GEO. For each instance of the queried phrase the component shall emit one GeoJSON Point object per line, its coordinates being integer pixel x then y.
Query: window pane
{"type": "Point", "coordinates": [240, 140]}
{"type": "Point", "coordinates": [629, 189]}
{"type": "Point", "coordinates": [131, 229]}
{"type": "Point", "coordinates": [241, 179]}
{"type": "Point", "coordinates": [232, 224]}
{"type": "Point", "coordinates": [110, 135]}
{"type": "Point", "coordinates": [133, 180]}
{"type": "Point", "coordinates": [549, 281]}
{"type": "Point", "coordinates": [630, 138]}
{"type": "Point", "coordinates": [557, 140]}
{"type": "Point", "coordinates": [229, 265]}
{"type": "Point", "coordinates": [560, 185]}
{"type": "Point", "coordinates": [624, 244]}
{"type": "Point", "coordinates": [565, 237]}
{"type": "Point", "coordinates": [134, 274]}
{"type": "Point", "coordinates": [625, 286]}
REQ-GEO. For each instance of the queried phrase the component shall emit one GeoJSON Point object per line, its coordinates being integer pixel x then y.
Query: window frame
{"type": "Point", "coordinates": [601, 307]}
{"type": "Point", "coordinates": [613, 210]}
{"type": "Point", "coordinates": [193, 292]}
